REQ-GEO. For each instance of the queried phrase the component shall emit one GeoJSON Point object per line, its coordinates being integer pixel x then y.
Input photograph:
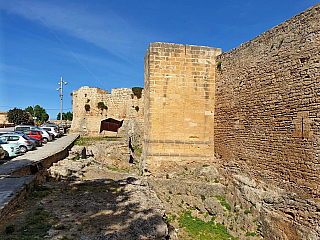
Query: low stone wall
{"type": "Point", "coordinates": [31, 174]}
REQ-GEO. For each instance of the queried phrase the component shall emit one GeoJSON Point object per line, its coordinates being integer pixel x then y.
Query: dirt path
{"type": "Point", "coordinates": [103, 205]}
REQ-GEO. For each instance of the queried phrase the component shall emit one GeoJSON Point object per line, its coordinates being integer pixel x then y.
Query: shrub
{"type": "Point", "coordinates": [101, 106]}
{"type": "Point", "coordinates": [223, 202]}
{"type": "Point", "coordinates": [137, 91]}
{"type": "Point", "coordinates": [87, 107]}
{"type": "Point", "coordinates": [137, 108]}
{"type": "Point", "coordinates": [10, 228]}
{"type": "Point", "coordinates": [219, 66]}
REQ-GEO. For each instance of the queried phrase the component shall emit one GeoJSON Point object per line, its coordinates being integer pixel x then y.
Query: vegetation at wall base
{"type": "Point", "coordinates": [87, 141]}
{"type": "Point", "coordinates": [199, 229]}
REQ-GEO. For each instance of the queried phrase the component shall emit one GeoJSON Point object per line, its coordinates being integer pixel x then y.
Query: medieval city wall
{"type": "Point", "coordinates": [122, 105]}
{"type": "Point", "coordinates": [268, 100]}
{"type": "Point", "coordinates": [267, 125]}
{"type": "Point", "coordinates": [179, 104]}
{"type": "Point", "coordinates": [3, 117]}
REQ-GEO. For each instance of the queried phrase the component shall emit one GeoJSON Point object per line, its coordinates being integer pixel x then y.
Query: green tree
{"type": "Point", "coordinates": [30, 110]}
{"type": "Point", "coordinates": [18, 116]}
{"type": "Point", "coordinates": [39, 112]}
{"type": "Point", "coordinates": [69, 116]}
{"type": "Point", "coordinates": [66, 116]}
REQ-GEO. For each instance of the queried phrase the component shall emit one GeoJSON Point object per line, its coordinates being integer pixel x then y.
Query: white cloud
{"type": "Point", "coordinates": [103, 27]}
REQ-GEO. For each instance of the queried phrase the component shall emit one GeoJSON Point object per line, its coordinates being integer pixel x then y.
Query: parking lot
{"type": "Point", "coordinates": [10, 165]}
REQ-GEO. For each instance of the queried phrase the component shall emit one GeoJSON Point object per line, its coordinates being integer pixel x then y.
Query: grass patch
{"type": "Point", "coordinates": [203, 197]}
{"type": "Point", "coordinates": [171, 219]}
{"type": "Point", "coordinates": [115, 169]}
{"type": "Point", "coordinates": [247, 211]}
{"type": "Point", "coordinates": [39, 192]}
{"type": "Point", "coordinates": [10, 228]}
{"type": "Point", "coordinates": [250, 234]}
{"type": "Point", "coordinates": [216, 180]}
{"type": "Point", "coordinates": [199, 229]}
{"type": "Point", "coordinates": [87, 141]}
{"type": "Point", "coordinates": [37, 224]}
{"type": "Point", "coordinates": [137, 151]}
{"type": "Point", "coordinates": [60, 227]}
{"type": "Point", "coordinates": [223, 202]}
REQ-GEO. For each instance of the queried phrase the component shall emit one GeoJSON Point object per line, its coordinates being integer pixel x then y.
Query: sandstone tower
{"type": "Point", "coordinates": [179, 104]}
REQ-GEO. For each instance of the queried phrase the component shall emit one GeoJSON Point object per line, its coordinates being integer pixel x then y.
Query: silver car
{"type": "Point", "coordinates": [24, 143]}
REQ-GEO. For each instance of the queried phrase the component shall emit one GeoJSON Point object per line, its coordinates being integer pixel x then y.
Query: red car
{"type": "Point", "coordinates": [33, 133]}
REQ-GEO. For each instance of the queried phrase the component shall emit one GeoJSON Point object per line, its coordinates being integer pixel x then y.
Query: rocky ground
{"type": "Point", "coordinates": [103, 197]}
{"type": "Point", "coordinates": [84, 199]}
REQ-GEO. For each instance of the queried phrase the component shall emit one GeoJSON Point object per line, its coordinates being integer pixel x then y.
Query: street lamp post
{"type": "Point", "coordinates": [61, 96]}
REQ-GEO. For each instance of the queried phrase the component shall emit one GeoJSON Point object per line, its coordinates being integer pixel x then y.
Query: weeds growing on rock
{"type": "Point", "coordinates": [199, 229]}
{"type": "Point", "coordinates": [223, 202]}
{"type": "Point", "coordinates": [247, 211]}
{"type": "Point", "coordinates": [250, 234]}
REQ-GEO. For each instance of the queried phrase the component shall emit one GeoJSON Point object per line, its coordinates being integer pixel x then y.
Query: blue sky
{"type": "Point", "coordinates": [102, 43]}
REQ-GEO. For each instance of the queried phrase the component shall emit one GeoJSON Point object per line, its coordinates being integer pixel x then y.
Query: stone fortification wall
{"type": "Point", "coordinates": [179, 104]}
{"type": "Point", "coordinates": [3, 117]}
{"type": "Point", "coordinates": [267, 103]}
{"type": "Point", "coordinates": [121, 105]}
{"type": "Point", "coordinates": [267, 121]}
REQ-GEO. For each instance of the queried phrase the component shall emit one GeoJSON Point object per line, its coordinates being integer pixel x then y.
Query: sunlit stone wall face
{"type": "Point", "coordinates": [267, 111]}
{"type": "Point", "coordinates": [122, 105]}
{"type": "Point", "coordinates": [179, 117]}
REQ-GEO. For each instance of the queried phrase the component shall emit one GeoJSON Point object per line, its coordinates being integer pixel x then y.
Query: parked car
{"type": "Point", "coordinates": [24, 143]}
{"type": "Point", "coordinates": [35, 142]}
{"type": "Point", "coordinates": [56, 128]}
{"type": "Point", "coordinates": [1, 153]}
{"type": "Point", "coordinates": [46, 136]}
{"type": "Point", "coordinates": [22, 128]}
{"type": "Point", "coordinates": [10, 149]}
{"type": "Point", "coordinates": [51, 130]}
{"type": "Point", "coordinates": [34, 134]}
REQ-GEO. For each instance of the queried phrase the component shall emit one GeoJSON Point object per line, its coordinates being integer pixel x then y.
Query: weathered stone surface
{"type": "Point", "coordinates": [69, 169]}
{"type": "Point", "coordinates": [179, 104]}
{"type": "Point", "coordinates": [121, 103]}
